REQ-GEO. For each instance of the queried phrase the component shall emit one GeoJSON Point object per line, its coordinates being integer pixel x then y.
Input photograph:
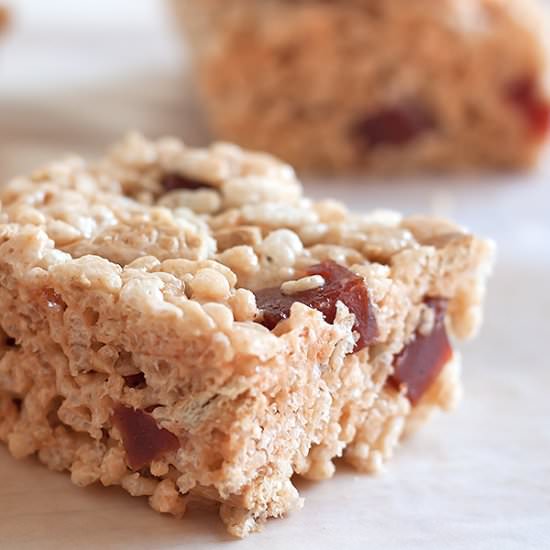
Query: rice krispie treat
{"type": "Point", "coordinates": [185, 324]}
{"type": "Point", "coordinates": [374, 85]}
{"type": "Point", "coordinates": [4, 18]}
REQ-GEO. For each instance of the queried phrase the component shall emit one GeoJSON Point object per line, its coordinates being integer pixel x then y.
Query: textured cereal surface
{"type": "Point", "coordinates": [375, 85]}
{"type": "Point", "coordinates": [106, 278]}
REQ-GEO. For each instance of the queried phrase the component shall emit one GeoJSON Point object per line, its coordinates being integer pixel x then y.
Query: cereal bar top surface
{"type": "Point", "coordinates": [471, 19]}
{"type": "Point", "coordinates": [216, 225]}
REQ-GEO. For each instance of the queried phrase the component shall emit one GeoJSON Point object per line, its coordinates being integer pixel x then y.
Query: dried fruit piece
{"type": "Point", "coordinates": [341, 284]}
{"type": "Point", "coordinates": [524, 95]}
{"type": "Point", "coordinates": [397, 125]}
{"type": "Point", "coordinates": [420, 362]}
{"type": "Point", "coordinates": [143, 440]}
{"type": "Point", "coordinates": [172, 182]}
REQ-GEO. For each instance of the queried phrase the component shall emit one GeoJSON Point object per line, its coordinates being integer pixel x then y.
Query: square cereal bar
{"type": "Point", "coordinates": [4, 18]}
{"type": "Point", "coordinates": [374, 85]}
{"type": "Point", "coordinates": [184, 323]}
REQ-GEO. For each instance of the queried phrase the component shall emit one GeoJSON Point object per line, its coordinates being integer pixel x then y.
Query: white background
{"type": "Point", "coordinates": [73, 77]}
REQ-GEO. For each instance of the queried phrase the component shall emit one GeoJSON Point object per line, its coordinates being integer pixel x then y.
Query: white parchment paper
{"type": "Point", "coordinates": [74, 76]}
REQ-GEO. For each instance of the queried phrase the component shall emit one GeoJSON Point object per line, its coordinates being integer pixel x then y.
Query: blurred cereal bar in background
{"type": "Point", "coordinates": [374, 85]}
{"type": "Point", "coordinates": [4, 18]}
